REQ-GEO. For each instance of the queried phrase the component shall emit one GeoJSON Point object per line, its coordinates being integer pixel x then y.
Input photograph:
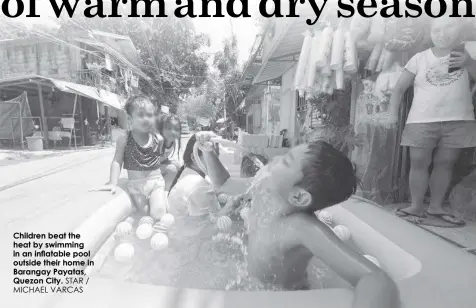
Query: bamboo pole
{"type": "Point", "coordinates": [43, 118]}
{"type": "Point", "coordinates": [74, 122]}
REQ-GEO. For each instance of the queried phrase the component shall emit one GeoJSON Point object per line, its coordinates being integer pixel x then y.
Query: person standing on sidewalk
{"type": "Point", "coordinates": [139, 152]}
{"type": "Point", "coordinates": [441, 120]}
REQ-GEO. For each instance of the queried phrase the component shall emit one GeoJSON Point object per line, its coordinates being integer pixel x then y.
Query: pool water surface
{"type": "Point", "coordinates": [199, 256]}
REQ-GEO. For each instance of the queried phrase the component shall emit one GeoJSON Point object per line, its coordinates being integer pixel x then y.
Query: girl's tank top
{"type": "Point", "coordinates": [169, 152]}
{"type": "Point", "coordinates": [139, 158]}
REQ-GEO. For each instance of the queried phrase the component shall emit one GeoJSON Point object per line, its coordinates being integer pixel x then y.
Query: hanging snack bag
{"type": "Point", "coordinates": [405, 33]}
{"type": "Point", "coordinates": [377, 30]}
{"type": "Point", "coordinates": [350, 54]}
{"type": "Point", "coordinates": [324, 51]}
{"type": "Point", "coordinates": [337, 53]}
{"type": "Point", "coordinates": [359, 27]}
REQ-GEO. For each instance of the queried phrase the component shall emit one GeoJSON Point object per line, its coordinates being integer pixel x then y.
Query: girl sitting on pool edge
{"type": "Point", "coordinates": [139, 152]}
{"type": "Point", "coordinates": [284, 233]}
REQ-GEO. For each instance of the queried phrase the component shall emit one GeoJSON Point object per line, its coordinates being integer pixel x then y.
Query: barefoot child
{"type": "Point", "coordinates": [139, 153]}
{"type": "Point", "coordinates": [170, 128]}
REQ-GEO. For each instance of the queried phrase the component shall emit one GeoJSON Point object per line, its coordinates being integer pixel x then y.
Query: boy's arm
{"type": "Point", "coordinates": [116, 164]}
{"type": "Point", "coordinates": [373, 287]}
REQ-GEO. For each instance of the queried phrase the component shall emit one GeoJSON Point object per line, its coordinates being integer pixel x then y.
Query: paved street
{"type": "Point", "coordinates": [58, 201]}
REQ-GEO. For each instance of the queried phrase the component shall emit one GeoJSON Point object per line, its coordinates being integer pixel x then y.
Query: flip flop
{"type": "Point", "coordinates": [413, 218]}
{"type": "Point", "coordinates": [448, 218]}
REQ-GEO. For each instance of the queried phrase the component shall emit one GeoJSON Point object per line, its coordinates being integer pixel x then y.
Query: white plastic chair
{"type": "Point", "coordinates": [68, 123]}
{"type": "Point", "coordinates": [55, 135]}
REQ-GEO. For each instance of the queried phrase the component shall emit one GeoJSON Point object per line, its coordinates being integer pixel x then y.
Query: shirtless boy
{"type": "Point", "coordinates": [283, 231]}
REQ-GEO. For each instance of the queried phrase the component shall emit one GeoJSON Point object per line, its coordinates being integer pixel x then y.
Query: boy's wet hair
{"type": "Point", "coordinates": [136, 102]}
{"type": "Point", "coordinates": [329, 176]}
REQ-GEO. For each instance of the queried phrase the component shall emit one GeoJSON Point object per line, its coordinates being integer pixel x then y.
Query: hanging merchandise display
{"type": "Point", "coordinates": [337, 53]}
{"type": "Point", "coordinates": [387, 80]}
{"type": "Point", "coordinates": [311, 76]}
{"type": "Point", "coordinates": [405, 33]}
{"type": "Point", "coordinates": [359, 27]}
{"type": "Point", "coordinates": [330, 55]}
{"type": "Point", "coordinates": [350, 54]}
{"type": "Point", "coordinates": [375, 157]}
{"type": "Point", "coordinates": [372, 62]}
{"type": "Point", "coordinates": [299, 80]}
{"type": "Point", "coordinates": [377, 30]}
{"type": "Point", "coordinates": [325, 48]}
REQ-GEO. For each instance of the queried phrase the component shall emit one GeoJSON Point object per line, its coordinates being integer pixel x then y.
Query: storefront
{"type": "Point", "coordinates": [351, 67]}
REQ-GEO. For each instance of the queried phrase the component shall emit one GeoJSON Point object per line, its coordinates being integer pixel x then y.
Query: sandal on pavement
{"type": "Point", "coordinates": [414, 218]}
{"type": "Point", "coordinates": [449, 218]}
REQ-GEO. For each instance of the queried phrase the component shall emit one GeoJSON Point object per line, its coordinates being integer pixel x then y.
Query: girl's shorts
{"type": "Point", "coordinates": [451, 134]}
{"type": "Point", "coordinates": [145, 186]}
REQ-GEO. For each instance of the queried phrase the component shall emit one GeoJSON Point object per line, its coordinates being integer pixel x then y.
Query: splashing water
{"type": "Point", "coordinates": [198, 251]}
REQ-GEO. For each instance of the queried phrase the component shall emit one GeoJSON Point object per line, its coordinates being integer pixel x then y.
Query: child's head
{"type": "Point", "coordinates": [189, 159]}
{"type": "Point", "coordinates": [169, 126]}
{"type": "Point", "coordinates": [309, 177]}
{"type": "Point", "coordinates": [140, 113]}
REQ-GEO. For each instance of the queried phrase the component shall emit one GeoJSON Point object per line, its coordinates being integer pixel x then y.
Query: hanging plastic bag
{"type": "Point", "coordinates": [339, 79]}
{"type": "Point", "coordinates": [405, 33]}
{"type": "Point", "coordinates": [350, 54]}
{"type": "Point", "coordinates": [394, 75]}
{"type": "Point", "coordinates": [303, 60]}
{"type": "Point", "coordinates": [311, 76]}
{"type": "Point", "coordinates": [374, 57]}
{"type": "Point", "coordinates": [326, 71]}
{"type": "Point", "coordinates": [381, 84]}
{"type": "Point", "coordinates": [324, 52]}
{"type": "Point", "coordinates": [359, 27]}
{"type": "Point", "coordinates": [377, 30]}
{"type": "Point", "coordinates": [337, 53]}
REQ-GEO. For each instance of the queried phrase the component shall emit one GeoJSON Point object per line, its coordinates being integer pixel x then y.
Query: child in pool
{"type": "Point", "coordinates": [284, 233]}
{"type": "Point", "coordinates": [139, 152]}
{"type": "Point", "coordinates": [170, 128]}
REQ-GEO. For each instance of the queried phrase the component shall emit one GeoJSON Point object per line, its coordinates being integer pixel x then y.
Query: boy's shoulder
{"type": "Point", "coordinates": [301, 222]}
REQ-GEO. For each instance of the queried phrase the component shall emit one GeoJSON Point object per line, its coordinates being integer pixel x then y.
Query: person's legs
{"type": "Point", "coordinates": [456, 135]}
{"type": "Point", "coordinates": [141, 203]}
{"type": "Point", "coordinates": [422, 138]}
{"type": "Point", "coordinates": [420, 160]}
{"type": "Point", "coordinates": [158, 201]}
{"type": "Point", "coordinates": [443, 163]}
{"type": "Point", "coordinates": [138, 195]}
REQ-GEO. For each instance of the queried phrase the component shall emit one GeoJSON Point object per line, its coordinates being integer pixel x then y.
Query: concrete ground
{"type": "Point", "coordinates": [49, 195]}
{"type": "Point", "coordinates": [12, 157]}
{"type": "Point", "coordinates": [464, 237]}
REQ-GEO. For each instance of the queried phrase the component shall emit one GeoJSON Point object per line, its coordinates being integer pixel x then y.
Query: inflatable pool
{"type": "Point", "coordinates": [429, 271]}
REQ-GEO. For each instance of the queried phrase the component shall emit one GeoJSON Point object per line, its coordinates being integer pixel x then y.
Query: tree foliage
{"type": "Point", "coordinates": [226, 62]}
{"type": "Point", "coordinates": [170, 52]}
{"type": "Point", "coordinates": [170, 49]}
